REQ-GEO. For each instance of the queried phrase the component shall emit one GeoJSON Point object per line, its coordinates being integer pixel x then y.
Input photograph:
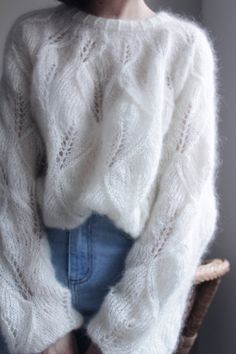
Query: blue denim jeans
{"type": "Point", "coordinates": [88, 260]}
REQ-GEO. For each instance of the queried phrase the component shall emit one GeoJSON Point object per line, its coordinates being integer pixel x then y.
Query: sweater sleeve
{"type": "Point", "coordinates": [35, 309]}
{"type": "Point", "coordinates": [144, 311]}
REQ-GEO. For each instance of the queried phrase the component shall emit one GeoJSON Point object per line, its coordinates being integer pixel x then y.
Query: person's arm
{"type": "Point", "coordinates": [35, 308]}
{"type": "Point", "coordinates": [144, 311]}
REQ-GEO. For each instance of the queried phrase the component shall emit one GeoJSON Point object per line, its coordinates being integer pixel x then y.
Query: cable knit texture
{"type": "Point", "coordinates": [118, 117]}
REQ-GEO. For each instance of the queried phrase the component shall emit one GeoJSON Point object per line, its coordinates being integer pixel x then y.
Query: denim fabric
{"type": "Point", "coordinates": [88, 260]}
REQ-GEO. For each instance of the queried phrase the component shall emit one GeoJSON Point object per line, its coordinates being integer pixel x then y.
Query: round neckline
{"type": "Point", "coordinates": [118, 24]}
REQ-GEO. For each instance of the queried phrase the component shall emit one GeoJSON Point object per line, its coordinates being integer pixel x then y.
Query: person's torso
{"type": "Point", "coordinates": [103, 100]}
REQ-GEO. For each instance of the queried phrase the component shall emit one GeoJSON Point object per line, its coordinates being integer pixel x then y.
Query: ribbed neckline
{"type": "Point", "coordinates": [116, 24]}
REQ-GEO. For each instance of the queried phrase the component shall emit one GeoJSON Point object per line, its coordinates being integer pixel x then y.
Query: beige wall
{"type": "Point", "coordinates": [217, 333]}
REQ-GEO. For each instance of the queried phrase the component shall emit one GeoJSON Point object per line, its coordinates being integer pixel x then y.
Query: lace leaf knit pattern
{"type": "Point", "coordinates": [118, 117]}
{"type": "Point", "coordinates": [144, 312]}
{"type": "Point", "coordinates": [35, 309]}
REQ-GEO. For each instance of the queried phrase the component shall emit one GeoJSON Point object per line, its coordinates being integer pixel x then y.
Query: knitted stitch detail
{"type": "Point", "coordinates": [98, 115]}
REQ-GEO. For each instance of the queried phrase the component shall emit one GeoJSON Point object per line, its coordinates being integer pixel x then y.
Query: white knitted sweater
{"type": "Point", "coordinates": [118, 117]}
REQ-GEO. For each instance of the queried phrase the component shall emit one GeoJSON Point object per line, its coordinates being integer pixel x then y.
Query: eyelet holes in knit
{"type": "Point", "coordinates": [41, 163]}
{"type": "Point", "coordinates": [102, 80]}
{"type": "Point", "coordinates": [185, 127]}
{"type": "Point", "coordinates": [165, 232]}
{"type": "Point", "coordinates": [46, 81]}
{"type": "Point", "coordinates": [169, 81]}
{"type": "Point", "coordinates": [50, 72]}
{"type": "Point", "coordinates": [21, 112]}
{"type": "Point", "coordinates": [98, 98]}
{"type": "Point", "coordinates": [66, 146]}
{"type": "Point", "coordinates": [26, 291]}
{"type": "Point", "coordinates": [130, 50]}
{"type": "Point", "coordinates": [36, 223]}
{"type": "Point", "coordinates": [86, 50]}
{"type": "Point", "coordinates": [126, 53]}
{"type": "Point", "coordinates": [58, 37]}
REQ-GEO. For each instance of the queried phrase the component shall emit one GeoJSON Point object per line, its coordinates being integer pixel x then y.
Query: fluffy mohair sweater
{"type": "Point", "coordinates": [119, 117]}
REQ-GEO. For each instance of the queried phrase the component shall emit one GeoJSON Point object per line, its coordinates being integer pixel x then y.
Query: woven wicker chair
{"type": "Point", "coordinates": [206, 282]}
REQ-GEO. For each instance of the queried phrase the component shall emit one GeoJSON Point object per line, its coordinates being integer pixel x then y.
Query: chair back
{"type": "Point", "coordinates": [206, 282]}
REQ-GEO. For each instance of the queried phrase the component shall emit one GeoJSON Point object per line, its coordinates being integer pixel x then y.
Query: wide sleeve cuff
{"type": "Point", "coordinates": [30, 324]}
{"type": "Point", "coordinates": [143, 312]}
